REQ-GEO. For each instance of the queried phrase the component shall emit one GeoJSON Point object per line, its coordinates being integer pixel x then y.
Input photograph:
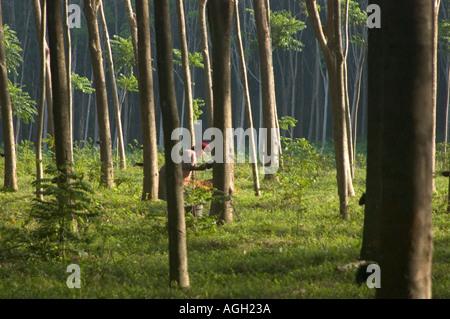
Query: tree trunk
{"type": "Point", "coordinates": [60, 88]}
{"type": "Point", "coordinates": [220, 16]}
{"type": "Point", "coordinates": [41, 29]}
{"type": "Point", "coordinates": [435, 67]}
{"type": "Point", "coordinates": [405, 229]}
{"type": "Point", "coordinates": [330, 41]}
{"type": "Point", "coordinates": [107, 172]}
{"type": "Point", "coordinates": [10, 175]}
{"type": "Point", "coordinates": [371, 229]}
{"type": "Point", "coordinates": [206, 60]}
{"type": "Point", "coordinates": [145, 79]}
{"type": "Point", "coordinates": [69, 68]}
{"type": "Point", "coordinates": [178, 261]}
{"type": "Point", "coordinates": [48, 78]}
{"type": "Point", "coordinates": [268, 87]}
{"type": "Point", "coordinates": [120, 146]}
{"type": "Point", "coordinates": [186, 70]}
{"type": "Point", "coordinates": [252, 150]}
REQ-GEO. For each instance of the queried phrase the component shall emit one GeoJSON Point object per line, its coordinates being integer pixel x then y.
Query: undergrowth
{"type": "Point", "coordinates": [288, 243]}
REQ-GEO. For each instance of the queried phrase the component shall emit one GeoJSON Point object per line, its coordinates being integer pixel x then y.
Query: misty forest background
{"type": "Point", "coordinates": [301, 81]}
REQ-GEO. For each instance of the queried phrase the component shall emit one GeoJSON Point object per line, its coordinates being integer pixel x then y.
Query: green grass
{"type": "Point", "coordinates": [271, 250]}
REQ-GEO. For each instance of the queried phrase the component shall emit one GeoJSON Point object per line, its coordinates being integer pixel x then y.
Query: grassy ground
{"type": "Point", "coordinates": [271, 250]}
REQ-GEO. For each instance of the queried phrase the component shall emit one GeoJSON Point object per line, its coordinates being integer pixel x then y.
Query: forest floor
{"type": "Point", "coordinates": [278, 246]}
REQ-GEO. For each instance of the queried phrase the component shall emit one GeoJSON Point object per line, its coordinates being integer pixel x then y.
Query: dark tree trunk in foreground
{"type": "Point", "coordinates": [220, 15]}
{"type": "Point", "coordinates": [406, 102]}
{"type": "Point", "coordinates": [145, 79]}
{"type": "Point", "coordinates": [91, 8]}
{"type": "Point", "coordinates": [178, 261]}
{"type": "Point", "coordinates": [60, 88]}
{"type": "Point", "coordinates": [10, 174]}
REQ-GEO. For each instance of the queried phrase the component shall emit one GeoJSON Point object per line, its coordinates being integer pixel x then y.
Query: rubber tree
{"type": "Point", "coordinates": [330, 41]}
{"type": "Point", "coordinates": [60, 88]}
{"type": "Point", "coordinates": [178, 261]}
{"type": "Point", "coordinates": [220, 17]}
{"type": "Point", "coordinates": [91, 10]}
{"type": "Point", "coordinates": [269, 107]}
{"type": "Point", "coordinates": [10, 174]}
{"type": "Point", "coordinates": [405, 232]}
{"type": "Point", "coordinates": [147, 100]}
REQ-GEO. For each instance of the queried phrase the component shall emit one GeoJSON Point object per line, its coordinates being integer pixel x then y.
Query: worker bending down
{"type": "Point", "coordinates": [188, 166]}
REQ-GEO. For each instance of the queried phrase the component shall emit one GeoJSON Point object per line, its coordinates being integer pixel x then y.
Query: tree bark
{"type": "Point", "coordinates": [145, 79]}
{"type": "Point", "coordinates": [435, 67]}
{"type": "Point", "coordinates": [91, 8]}
{"type": "Point", "coordinates": [60, 89]}
{"type": "Point", "coordinates": [252, 150]}
{"type": "Point", "coordinates": [48, 77]}
{"type": "Point", "coordinates": [178, 261]}
{"type": "Point", "coordinates": [374, 190]}
{"type": "Point", "coordinates": [220, 16]}
{"type": "Point", "coordinates": [120, 146]}
{"type": "Point", "coordinates": [186, 70]}
{"type": "Point", "coordinates": [206, 60]}
{"type": "Point", "coordinates": [330, 41]}
{"type": "Point", "coordinates": [41, 31]}
{"type": "Point", "coordinates": [10, 175]}
{"type": "Point", "coordinates": [69, 68]}
{"type": "Point", "coordinates": [406, 230]}
{"type": "Point", "coordinates": [272, 144]}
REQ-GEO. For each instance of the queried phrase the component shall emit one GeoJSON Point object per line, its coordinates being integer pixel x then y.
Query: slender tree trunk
{"type": "Point", "coordinates": [91, 8]}
{"type": "Point", "coordinates": [330, 40]}
{"type": "Point", "coordinates": [69, 67]}
{"type": "Point", "coordinates": [220, 16]}
{"type": "Point", "coordinates": [406, 204]}
{"type": "Point", "coordinates": [145, 79]}
{"type": "Point", "coordinates": [347, 101]}
{"type": "Point", "coordinates": [268, 87]}
{"type": "Point", "coordinates": [10, 174]}
{"type": "Point", "coordinates": [120, 146]}
{"type": "Point", "coordinates": [186, 70]}
{"type": "Point", "coordinates": [206, 60]}
{"type": "Point", "coordinates": [374, 190]}
{"type": "Point", "coordinates": [178, 261]}
{"type": "Point", "coordinates": [253, 158]}
{"type": "Point", "coordinates": [41, 31]}
{"type": "Point", "coordinates": [435, 67]}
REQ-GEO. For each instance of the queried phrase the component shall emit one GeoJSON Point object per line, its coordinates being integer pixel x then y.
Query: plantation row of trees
{"type": "Point", "coordinates": [277, 36]}
{"type": "Point", "coordinates": [297, 59]}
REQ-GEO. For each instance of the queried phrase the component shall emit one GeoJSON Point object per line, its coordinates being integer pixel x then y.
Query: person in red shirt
{"type": "Point", "coordinates": [188, 166]}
